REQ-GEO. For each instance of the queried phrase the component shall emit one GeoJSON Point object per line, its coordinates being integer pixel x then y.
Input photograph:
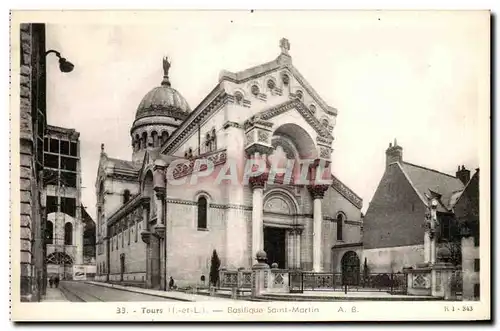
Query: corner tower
{"type": "Point", "coordinates": [160, 113]}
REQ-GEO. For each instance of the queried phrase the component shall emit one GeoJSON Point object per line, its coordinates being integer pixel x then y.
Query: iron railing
{"type": "Point", "coordinates": [394, 283]}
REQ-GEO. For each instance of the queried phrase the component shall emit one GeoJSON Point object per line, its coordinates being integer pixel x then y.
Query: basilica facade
{"type": "Point", "coordinates": [156, 219]}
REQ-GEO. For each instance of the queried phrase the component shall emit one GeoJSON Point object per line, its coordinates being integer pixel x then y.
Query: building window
{"type": "Point", "coordinates": [68, 234]}
{"type": "Point", "coordinates": [476, 291]}
{"type": "Point", "coordinates": [51, 161]}
{"type": "Point", "coordinates": [214, 139]}
{"type": "Point", "coordinates": [126, 196]}
{"type": "Point", "coordinates": [73, 149]}
{"type": "Point", "coordinates": [68, 206]}
{"type": "Point", "coordinates": [445, 229]}
{"type": "Point", "coordinates": [202, 213]}
{"type": "Point", "coordinates": [49, 232]}
{"type": "Point", "coordinates": [54, 146]}
{"type": "Point", "coordinates": [239, 97]}
{"type": "Point", "coordinates": [51, 204]}
{"type": "Point", "coordinates": [255, 90]}
{"type": "Point", "coordinates": [299, 94]}
{"type": "Point", "coordinates": [476, 237]}
{"type": "Point", "coordinates": [340, 225]}
{"type": "Point", "coordinates": [68, 163]}
{"type": "Point", "coordinates": [65, 147]}
{"type": "Point", "coordinates": [286, 79]}
{"type": "Point", "coordinates": [476, 265]}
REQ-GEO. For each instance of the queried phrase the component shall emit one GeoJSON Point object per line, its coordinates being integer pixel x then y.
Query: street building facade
{"type": "Point", "coordinates": [65, 222]}
{"type": "Point", "coordinates": [32, 128]}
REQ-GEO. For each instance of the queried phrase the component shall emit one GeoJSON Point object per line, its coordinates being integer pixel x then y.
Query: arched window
{"type": "Point", "coordinates": [208, 142]}
{"type": "Point", "coordinates": [154, 135]}
{"type": "Point", "coordinates": [255, 90]}
{"type": "Point", "coordinates": [137, 143]}
{"type": "Point", "coordinates": [68, 234]}
{"type": "Point", "coordinates": [299, 94]}
{"type": "Point", "coordinates": [340, 225]}
{"type": "Point", "coordinates": [202, 213]}
{"type": "Point", "coordinates": [126, 196]}
{"type": "Point", "coordinates": [214, 139]}
{"type": "Point", "coordinates": [271, 84]}
{"type": "Point", "coordinates": [164, 136]}
{"type": "Point", "coordinates": [144, 140]}
{"type": "Point", "coordinates": [239, 97]}
{"type": "Point", "coordinates": [49, 232]}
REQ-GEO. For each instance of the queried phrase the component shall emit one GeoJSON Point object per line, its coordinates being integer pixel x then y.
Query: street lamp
{"type": "Point", "coordinates": [64, 65]}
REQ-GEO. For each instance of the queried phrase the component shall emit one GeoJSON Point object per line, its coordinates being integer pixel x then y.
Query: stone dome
{"type": "Point", "coordinates": [163, 100]}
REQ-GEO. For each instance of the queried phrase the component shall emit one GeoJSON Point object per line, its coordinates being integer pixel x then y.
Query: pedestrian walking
{"type": "Point", "coordinates": [56, 281]}
{"type": "Point", "coordinates": [51, 281]}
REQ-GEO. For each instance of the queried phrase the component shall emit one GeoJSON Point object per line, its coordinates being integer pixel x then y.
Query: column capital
{"type": "Point", "coordinates": [317, 191]}
{"type": "Point", "coordinates": [296, 231]}
{"type": "Point", "coordinates": [258, 181]}
{"type": "Point", "coordinates": [254, 149]}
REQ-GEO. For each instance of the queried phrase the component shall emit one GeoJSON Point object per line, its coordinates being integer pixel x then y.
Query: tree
{"type": "Point", "coordinates": [214, 269]}
{"type": "Point", "coordinates": [365, 273]}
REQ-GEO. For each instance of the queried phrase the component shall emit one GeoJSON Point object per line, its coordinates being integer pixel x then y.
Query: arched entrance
{"type": "Point", "coordinates": [350, 268]}
{"type": "Point", "coordinates": [280, 246]}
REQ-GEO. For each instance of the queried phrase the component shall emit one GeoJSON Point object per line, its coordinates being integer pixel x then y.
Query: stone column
{"type": "Point", "coordinates": [317, 193]}
{"type": "Point", "coordinates": [260, 274]}
{"type": "Point", "coordinates": [160, 188]}
{"type": "Point", "coordinates": [433, 231]}
{"type": "Point", "coordinates": [298, 233]}
{"type": "Point", "coordinates": [257, 184]}
{"type": "Point", "coordinates": [427, 247]}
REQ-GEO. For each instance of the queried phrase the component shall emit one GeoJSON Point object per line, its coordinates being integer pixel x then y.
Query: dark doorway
{"type": "Point", "coordinates": [274, 246]}
{"type": "Point", "coordinates": [350, 269]}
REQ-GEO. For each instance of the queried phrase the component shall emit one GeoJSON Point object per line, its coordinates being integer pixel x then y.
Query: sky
{"type": "Point", "coordinates": [412, 76]}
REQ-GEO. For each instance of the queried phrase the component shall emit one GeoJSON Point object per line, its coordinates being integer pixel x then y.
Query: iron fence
{"type": "Point", "coordinates": [394, 283]}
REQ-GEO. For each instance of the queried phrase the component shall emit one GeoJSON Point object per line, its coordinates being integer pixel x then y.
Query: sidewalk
{"type": "Point", "coordinates": [54, 295]}
{"type": "Point", "coordinates": [175, 295]}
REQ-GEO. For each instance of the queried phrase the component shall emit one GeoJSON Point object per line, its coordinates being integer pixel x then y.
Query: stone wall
{"type": "Point", "coordinates": [392, 259]}
{"type": "Point", "coordinates": [470, 269]}
{"type": "Point", "coordinates": [32, 43]}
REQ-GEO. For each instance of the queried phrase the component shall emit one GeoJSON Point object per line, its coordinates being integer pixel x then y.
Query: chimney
{"type": "Point", "coordinates": [393, 154]}
{"type": "Point", "coordinates": [463, 174]}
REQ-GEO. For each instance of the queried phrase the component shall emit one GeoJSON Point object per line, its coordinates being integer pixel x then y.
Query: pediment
{"type": "Point", "coordinates": [309, 117]}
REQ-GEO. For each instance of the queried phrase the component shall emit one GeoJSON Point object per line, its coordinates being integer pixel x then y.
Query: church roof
{"type": "Point", "coordinates": [123, 164]}
{"type": "Point", "coordinates": [427, 182]}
